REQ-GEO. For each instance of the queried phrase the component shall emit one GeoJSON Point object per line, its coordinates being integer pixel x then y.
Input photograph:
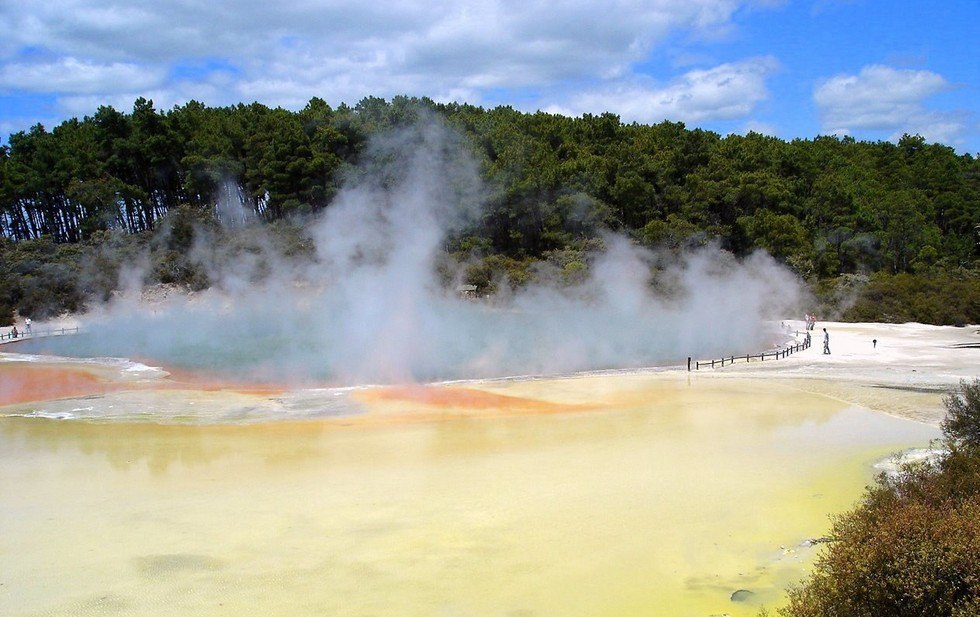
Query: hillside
{"type": "Point", "coordinates": [881, 231]}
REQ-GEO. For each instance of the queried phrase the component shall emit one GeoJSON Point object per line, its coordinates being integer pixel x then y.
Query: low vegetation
{"type": "Point", "coordinates": [961, 427]}
{"type": "Point", "coordinates": [912, 547]}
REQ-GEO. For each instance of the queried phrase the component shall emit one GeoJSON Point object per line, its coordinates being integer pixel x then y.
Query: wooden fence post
{"type": "Point", "coordinates": [778, 354]}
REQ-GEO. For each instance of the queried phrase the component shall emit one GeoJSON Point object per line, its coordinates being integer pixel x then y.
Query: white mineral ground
{"type": "Point", "coordinates": [906, 373]}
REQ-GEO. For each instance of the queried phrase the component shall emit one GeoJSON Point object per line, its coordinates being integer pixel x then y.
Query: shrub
{"type": "Point", "coordinates": [6, 314]}
{"type": "Point", "coordinates": [961, 426]}
{"type": "Point", "coordinates": [912, 547]}
{"type": "Point", "coordinates": [936, 298]}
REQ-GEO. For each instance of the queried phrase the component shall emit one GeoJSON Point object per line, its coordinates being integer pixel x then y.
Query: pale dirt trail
{"type": "Point", "coordinates": [906, 373]}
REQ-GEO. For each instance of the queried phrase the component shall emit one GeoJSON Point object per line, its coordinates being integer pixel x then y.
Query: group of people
{"type": "Point", "coordinates": [811, 321]}
{"type": "Point", "coordinates": [14, 333]}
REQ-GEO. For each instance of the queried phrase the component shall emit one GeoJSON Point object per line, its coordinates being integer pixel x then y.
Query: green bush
{"type": "Point", "coordinates": [6, 314]}
{"type": "Point", "coordinates": [934, 298]}
{"type": "Point", "coordinates": [912, 547]}
{"type": "Point", "coordinates": [39, 277]}
{"type": "Point", "coordinates": [961, 426]}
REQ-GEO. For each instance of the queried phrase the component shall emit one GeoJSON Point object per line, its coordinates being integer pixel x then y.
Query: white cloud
{"type": "Point", "coordinates": [882, 98]}
{"type": "Point", "coordinates": [7, 127]}
{"type": "Point", "coordinates": [946, 128]}
{"type": "Point", "coordinates": [294, 49]}
{"type": "Point", "coordinates": [762, 128]}
{"type": "Point", "coordinates": [727, 91]}
{"type": "Point", "coordinates": [70, 75]}
{"type": "Point", "coordinates": [158, 29]}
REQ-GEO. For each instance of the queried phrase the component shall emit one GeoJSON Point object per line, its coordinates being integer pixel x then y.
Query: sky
{"type": "Point", "coordinates": [871, 69]}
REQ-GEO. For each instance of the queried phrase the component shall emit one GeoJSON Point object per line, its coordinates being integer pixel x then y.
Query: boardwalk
{"type": "Point", "coordinates": [8, 335]}
{"type": "Point", "coordinates": [776, 354]}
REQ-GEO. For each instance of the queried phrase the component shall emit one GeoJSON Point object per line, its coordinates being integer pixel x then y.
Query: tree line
{"type": "Point", "coordinates": [826, 206]}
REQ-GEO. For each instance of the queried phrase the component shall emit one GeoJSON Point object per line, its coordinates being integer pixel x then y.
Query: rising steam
{"type": "Point", "coordinates": [371, 308]}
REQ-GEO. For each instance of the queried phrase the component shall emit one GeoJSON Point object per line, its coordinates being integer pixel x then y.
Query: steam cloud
{"type": "Point", "coordinates": [372, 310]}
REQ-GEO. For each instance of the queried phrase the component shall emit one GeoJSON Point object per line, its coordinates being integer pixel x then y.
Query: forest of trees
{"type": "Point", "coordinates": [828, 207]}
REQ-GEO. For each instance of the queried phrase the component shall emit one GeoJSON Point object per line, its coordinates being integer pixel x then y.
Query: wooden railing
{"type": "Point", "coordinates": [778, 354]}
{"type": "Point", "coordinates": [8, 336]}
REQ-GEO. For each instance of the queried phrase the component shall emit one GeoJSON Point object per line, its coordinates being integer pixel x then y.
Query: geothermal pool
{"type": "Point", "coordinates": [609, 495]}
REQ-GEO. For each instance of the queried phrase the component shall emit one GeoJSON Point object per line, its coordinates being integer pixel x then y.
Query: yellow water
{"type": "Point", "coordinates": [662, 498]}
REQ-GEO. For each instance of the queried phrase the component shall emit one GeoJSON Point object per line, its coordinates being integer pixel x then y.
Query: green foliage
{"type": "Point", "coordinates": [495, 273]}
{"type": "Point", "coordinates": [934, 297]}
{"type": "Point", "coordinates": [961, 426]}
{"type": "Point", "coordinates": [574, 272]}
{"type": "Point", "coordinates": [674, 233]}
{"type": "Point", "coordinates": [782, 235]}
{"type": "Point", "coordinates": [825, 207]}
{"type": "Point", "coordinates": [40, 278]}
{"type": "Point", "coordinates": [910, 548]}
{"type": "Point", "coordinates": [102, 258]}
{"type": "Point", "coordinates": [6, 314]}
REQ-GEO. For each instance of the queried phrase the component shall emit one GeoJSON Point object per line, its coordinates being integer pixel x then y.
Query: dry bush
{"type": "Point", "coordinates": [912, 547]}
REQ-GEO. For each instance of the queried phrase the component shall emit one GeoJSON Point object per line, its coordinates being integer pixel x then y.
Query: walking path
{"type": "Point", "coordinates": [900, 369]}
{"type": "Point", "coordinates": [7, 335]}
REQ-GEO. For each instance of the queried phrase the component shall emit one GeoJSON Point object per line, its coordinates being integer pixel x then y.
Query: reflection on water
{"type": "Point", "coordinates": [656, 496]}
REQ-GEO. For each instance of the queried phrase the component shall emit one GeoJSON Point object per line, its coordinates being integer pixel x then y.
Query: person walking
{"type": "Point", "coordinates": [826, 342]}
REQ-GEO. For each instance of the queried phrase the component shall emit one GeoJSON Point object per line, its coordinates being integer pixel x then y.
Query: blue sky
{"type": "Point", "coordinates": [872, 69]}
